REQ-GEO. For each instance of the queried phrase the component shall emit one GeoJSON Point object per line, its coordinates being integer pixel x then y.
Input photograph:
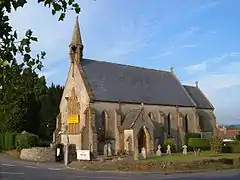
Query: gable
{"type": "Point", "coordinates": [198, 97]}
{"type": "Point", "coordinates": [116, 82]}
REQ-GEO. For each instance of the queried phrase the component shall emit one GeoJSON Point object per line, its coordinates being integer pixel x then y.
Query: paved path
{"type": "Point", "coordinates": [16, 170]}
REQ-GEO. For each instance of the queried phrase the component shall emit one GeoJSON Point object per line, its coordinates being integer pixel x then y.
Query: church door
{"type": "Point", "coordinates": [141, 140]}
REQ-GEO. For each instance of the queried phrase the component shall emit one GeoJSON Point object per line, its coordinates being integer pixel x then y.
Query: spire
{"type": "Point", "coordinates": [76, 37]}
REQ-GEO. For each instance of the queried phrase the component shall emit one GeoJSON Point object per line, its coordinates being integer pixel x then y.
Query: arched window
{"type": "Point", "coordinates": [151, 116]}
{"type": "Point", "coordinates": [105, 123]}
{"type": "Point", "coordinates": [169, 118]}
{"type": "Point", "coordinates": [185, 123]}
{"type": "Point", "coordinates": [201, 123]}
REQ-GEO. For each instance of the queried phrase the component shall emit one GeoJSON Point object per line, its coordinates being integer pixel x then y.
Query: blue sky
{"type": "Point", "coordinates": [199, 38]}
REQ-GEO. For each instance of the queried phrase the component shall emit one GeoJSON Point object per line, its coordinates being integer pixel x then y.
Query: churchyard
{"type": "Point", "coordinates": [196, 154]}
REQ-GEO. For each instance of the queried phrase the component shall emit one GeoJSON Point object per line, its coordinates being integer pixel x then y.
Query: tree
{"type": "Point", "coordinates": [49, 111]}
{"type": "Point", "coordinates": [10, 45]}
{"type": "Point", "coordinates": [20, 86]}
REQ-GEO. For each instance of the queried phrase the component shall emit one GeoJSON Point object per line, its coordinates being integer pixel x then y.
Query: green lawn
{"type": "Point", "coordinates": [190, 156]}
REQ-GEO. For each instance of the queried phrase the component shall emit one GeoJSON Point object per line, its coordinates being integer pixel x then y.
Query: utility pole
{"type": "Point", "coordinates": [66, 148]}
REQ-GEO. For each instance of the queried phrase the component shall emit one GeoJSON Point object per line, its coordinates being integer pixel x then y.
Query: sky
{"type": "Point", "coordinates": [198, 38]}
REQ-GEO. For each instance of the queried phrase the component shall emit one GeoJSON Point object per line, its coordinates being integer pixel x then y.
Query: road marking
{"type": "Point", "coordinates": [92, 177]}
{"type": "Point", "coordinates": [30, 167]}
{"type": "Point", "coordinates": [9, 165]}
{"type": "Point", "coordinates": [13, 173]}
{"type": "Point", "coordinates": [54, 169]}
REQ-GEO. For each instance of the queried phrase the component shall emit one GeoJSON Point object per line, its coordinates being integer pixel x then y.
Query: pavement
{"type": "Point", "coordinates": [12, 169]}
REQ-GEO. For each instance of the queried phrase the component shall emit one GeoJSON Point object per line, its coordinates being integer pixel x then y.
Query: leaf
{"type": "Point", "coordinates": [62, 16]}
{"type": "Point", "coordinates": [53, 12]}
{"type": "Point", "coordinates": [27, 49]}
{"type": "Point", "coordinates": [26, 57]}
{"type": "Point", "coordinates": [77, 9]}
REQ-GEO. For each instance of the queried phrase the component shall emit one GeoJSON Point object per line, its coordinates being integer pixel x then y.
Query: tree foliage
{"type": "Point", "coordinates": [23, 94]}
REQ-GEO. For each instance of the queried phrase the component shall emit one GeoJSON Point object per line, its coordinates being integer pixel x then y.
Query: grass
{"type": "Point", "coordinates": [190, 156]}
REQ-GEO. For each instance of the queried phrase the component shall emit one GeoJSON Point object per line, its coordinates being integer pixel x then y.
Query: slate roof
{"type": "Point", "coordinates": [116, 82]}
{"type": "Point", "coordinates": [198, 97]}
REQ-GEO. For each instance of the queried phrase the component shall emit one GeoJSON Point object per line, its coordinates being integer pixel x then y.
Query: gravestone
{"type": "Point", "coordinates": [159, 152]}
{"type": "Point", "coordinates": [109, 149]}
{"type": "Point", "coordinates": [168, 149]}
{"type": "Point", "coordinates": [105, 150]}
{"type": "Point", "coordinates": [135, 154]}
{"type": "Point", "coordinates": [143, 153]}
{"type": "Point", "coordinates": [185, 150]}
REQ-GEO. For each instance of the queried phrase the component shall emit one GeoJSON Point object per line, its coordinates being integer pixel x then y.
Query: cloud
{"type": "Point", "coordinates": [213, 62]}
{"type": "Point", "coordinates": [209, 5]}
{"type": "Point", "coordinates": [217, 73]}
{"type": "Point", "coordinates": [189, 45]}
{"type": "Point", "coordinates": [196, 68]}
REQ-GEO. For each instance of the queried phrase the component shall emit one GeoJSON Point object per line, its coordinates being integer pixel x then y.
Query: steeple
{"type": "Point", "coordinates": [76, 45]}
{"type": "Point", "coordinates": [76, 37]}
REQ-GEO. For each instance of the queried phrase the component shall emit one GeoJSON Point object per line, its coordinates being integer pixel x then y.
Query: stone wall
{"type": "Point", "coordinates": [38, 154]}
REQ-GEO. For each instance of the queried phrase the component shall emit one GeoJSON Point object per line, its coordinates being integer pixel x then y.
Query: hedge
{"type": "Point", "coordinates": [26, 140]}
{"type": "Point", "coordinates": [201, 143]}
{"type": "Point", "coordinates": [7, 141]}
{"type": "Point", "coordinates": [238, 137]}
{"type": "Point", "coordinates": [231, 147]}
{"type": "Point", "coordinates": [191, 135]}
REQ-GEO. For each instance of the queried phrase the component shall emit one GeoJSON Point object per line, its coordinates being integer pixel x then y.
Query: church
{"type": "Point", "coordinates": [130, 107]}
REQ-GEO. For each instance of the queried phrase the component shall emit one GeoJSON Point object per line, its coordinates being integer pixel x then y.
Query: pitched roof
{"type": "Point", "coordinates": [198, 97]}
{"type": "Point", "coordinates": [116, 82]}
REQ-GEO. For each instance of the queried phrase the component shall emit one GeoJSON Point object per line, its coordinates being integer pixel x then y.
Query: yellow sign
{"type": "Point", "coordinates": [73, 119]}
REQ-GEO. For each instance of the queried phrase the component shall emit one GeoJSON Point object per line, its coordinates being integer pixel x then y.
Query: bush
{"type": "Point", "coordinates": [238, 137]}
{"type": "Point", "coordinates": [26, 140]}
{"type": "Point", "coordinates": [9, 141]}
{"type": "Point", "coordinates": [191, 135]}
{"type": "Point", "coordinates": [44, 143]}
{"type": "Point", "coordinates": [231, 147]}
{"type": "Point", "coordinates": [199, 143]}
{"type": "Point", "coordinates": [216, 144]}
{"type": "Point", "coordinates": [172, 145]}
{"type": "Point", "coordinates": [2, 142]}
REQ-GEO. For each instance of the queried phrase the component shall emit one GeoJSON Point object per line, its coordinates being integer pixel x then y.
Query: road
{"type": "Point", "coordinates": [15, 169]}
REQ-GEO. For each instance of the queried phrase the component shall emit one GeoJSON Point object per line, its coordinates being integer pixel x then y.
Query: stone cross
{"type": "Point", "coordinates": [159, 152]}
{"type": "Point", "coordinates": [105, 150]}
{"type": "Point", "coordinates": [185, 150]}
{"type": "Point", "coordinates": [109, 149]}
{"type": "Point", "coordinates": [168, 149]}
{"type": "Point", "coordinates": [143, 152]}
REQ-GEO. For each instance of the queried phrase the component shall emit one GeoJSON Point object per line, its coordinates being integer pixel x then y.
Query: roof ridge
{"type": "Point", "coordinates": [189, 86]}
{"type": "Point", "coordinates": [127, 65]}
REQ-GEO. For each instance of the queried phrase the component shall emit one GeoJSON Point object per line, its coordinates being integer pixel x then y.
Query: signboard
{"type": "Point", "coordinates": [73, 119]}
{"type": "Point", "coordinates": [83, 155]}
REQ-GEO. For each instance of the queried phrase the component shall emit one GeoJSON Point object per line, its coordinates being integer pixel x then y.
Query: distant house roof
{"type": "Point", "coordinates": [116, 82]}
{"type": "Point", "coordinates": [198, 97]}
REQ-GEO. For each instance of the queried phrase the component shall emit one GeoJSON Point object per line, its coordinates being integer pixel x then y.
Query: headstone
{"type": "Point", "coordinates": [159, 152]}
{"type": "Point", "coordinates": [135, 154]}
{"type": "Point", "coordinates": [143, 152]}
{"type": "Point", "coordinates": [185, 150]}
{"type": "Point", "coordinates": [105, 150]}
{"type": "Point", "coordinates": [168, 149]}
{"type": "Point", "coordinates": [109, 149]}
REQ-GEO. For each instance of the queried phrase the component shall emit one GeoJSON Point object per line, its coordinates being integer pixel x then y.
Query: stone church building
{"type": "Point", "coordinates": [127, 106]}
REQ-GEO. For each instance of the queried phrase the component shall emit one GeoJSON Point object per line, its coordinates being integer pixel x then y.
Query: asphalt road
{"type": "Point", "coordinates": [16, 170]}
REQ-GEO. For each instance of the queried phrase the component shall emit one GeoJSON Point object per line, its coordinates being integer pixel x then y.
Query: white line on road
{"type": "Point", "coordinates": [9, 165]}
{"type": "Point", "coordinates": [92, 177]}
{"type": "Point", "coordinates": [13, 173]}
{"type": "Point", "coordinates": [30, 167]}
{"type": "Point", "coordinates": [54, 169]}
